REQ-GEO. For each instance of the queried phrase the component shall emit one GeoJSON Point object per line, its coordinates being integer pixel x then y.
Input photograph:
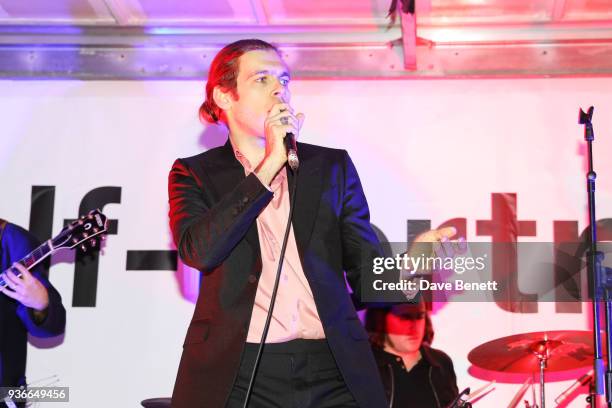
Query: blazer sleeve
{"type": "Point", "coordinates": [359, 241]}
{"type": "Point", "coordinates": [206, 233]}
{"type": "Point", "coordinates": [22, 243]}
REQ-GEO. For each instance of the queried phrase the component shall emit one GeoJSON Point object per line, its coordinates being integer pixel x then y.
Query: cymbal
{"type": "Point", "coordinates": [563, 350]}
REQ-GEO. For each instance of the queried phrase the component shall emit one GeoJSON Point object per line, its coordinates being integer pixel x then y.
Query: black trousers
{"type": "Point", "coordinates": [296, 374]}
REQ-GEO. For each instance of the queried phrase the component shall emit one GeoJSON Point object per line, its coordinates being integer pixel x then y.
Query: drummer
{"type": "Point", "coordinates": [414, 374]}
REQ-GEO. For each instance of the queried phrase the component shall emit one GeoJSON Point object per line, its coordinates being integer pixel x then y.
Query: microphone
{"type": "Point", "coordinates": [585, 379]}
{"type": "Point", "coordinates": [292, 157]}
{"type": "Point", "coordinates": [290, 146]}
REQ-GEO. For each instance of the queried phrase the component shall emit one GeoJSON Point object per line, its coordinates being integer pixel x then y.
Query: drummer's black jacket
{"type": "Point", "coordinates": [431, 383]}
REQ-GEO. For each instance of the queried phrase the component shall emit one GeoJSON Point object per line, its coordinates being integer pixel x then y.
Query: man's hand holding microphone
{"type": "Point", "coordinates": [281, 120]}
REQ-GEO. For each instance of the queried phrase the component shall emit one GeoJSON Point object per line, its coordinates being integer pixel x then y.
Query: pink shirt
{"type": "Point", "coordinates": [295, 313]}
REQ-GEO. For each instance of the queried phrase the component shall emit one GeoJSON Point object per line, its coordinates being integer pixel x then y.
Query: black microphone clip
{"type": "Point", "coordinates": [291, 146]}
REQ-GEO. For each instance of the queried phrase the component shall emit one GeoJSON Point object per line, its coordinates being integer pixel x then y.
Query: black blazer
{"type": "Point", "coordinates": [441, 385]}
{"type": "Point", "coordinates": [213, 208]}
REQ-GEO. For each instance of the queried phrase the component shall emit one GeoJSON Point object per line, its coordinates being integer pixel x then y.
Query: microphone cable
{"type": "Point", "coordinates": [276, 282]}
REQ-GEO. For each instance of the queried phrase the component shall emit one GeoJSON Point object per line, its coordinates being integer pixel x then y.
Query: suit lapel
{"type": "Point", "coordinates": [226, 172]}
{"type": "Point", "coordinates": [307, 198]}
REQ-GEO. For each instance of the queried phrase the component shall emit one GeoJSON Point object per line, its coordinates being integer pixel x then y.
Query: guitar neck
{"type": "Point", "coordinates": [32, 259]}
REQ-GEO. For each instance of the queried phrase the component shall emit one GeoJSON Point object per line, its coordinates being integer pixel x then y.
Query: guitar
{"type": "Point", "coordinates": [84, 231]}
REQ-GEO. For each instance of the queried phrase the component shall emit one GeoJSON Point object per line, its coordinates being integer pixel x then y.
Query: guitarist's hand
{"type": "Point", "coordinates": [26, 289]}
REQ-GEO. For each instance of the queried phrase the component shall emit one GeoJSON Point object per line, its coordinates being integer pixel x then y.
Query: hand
{"type": "Point", "coordinates": [435, 242]}
{"type": "Point", "coordinates": [427, 244]}
{"type": "Point", "coordinates": [280, 121]}
{"type": "Point", "coordinates": [443, 247]}
{"type": "Point", "coordinates": [27, 289]}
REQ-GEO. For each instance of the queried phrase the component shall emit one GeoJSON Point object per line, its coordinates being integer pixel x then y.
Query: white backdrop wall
{"type": "Point", "coordinates": [425, 149]}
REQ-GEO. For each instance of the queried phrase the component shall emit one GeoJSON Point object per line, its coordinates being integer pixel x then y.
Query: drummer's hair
{"type": "Point", "coordinates": [375, 324]}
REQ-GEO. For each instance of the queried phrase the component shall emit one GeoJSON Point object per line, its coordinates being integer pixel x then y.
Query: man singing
{"type": "Point", "coordinates": [228, 211]}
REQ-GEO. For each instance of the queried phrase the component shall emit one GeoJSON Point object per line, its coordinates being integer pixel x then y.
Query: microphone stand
{"type": "Point", "coordinates": [281, 259]}
{"type": "Point", "coordinates": [600, 276]}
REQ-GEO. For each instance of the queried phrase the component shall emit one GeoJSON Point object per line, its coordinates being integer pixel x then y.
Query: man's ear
{"type": "Point", "coordinates": [222, 99]}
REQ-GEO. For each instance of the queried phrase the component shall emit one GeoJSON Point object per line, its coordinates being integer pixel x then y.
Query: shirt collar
{"type": "Point", "coordinates": [248, 168]}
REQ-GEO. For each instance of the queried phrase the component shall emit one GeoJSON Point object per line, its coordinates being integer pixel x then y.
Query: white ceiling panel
{"type": "Point", "coordinates": [198, 12]}
{"type": "Point", "coordinates": [588, 10]}
{"type": "Point", "coordinates": [327, 12]}
{"type": "Point", "coordinates": [176, 37]}
{"type": "Point", "coordinates": [298, 13]}
{"type": "Point", "coordinates": [54, 11]}
{"type": "Point", "coordinates": [450, 12]}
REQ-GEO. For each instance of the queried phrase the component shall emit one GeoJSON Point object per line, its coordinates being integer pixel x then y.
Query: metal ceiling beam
{"type": "Point", "coordinates": [547, 59]}
{"type": "Point", "coordinates": [185, 35]}
{"type": "Point", "coordinates": [328, 61]}
{"type": "Point", "coordinates": [321, 52]}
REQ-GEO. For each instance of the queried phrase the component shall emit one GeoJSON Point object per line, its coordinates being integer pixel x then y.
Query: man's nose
{"type": "Point", "coordinates": [280, 92]}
